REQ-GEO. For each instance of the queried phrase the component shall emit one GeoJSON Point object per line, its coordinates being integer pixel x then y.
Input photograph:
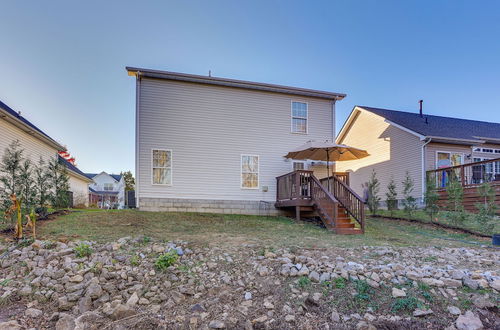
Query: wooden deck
{"type": "Point", "coordinates": [339, 208]}
{"type": "Point", "coordinates": [470, 176]}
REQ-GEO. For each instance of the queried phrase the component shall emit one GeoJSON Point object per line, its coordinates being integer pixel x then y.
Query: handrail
{"type": "Point", "coordinates": [352, 202]}
{"type": "Point", "coordinates": [325, 202]}
{"type": "Point", "coordinates": [467, 174]}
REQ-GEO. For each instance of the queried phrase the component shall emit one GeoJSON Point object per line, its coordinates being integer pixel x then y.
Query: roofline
{"type": "Point", "coordinates": [347, 123]}
{"type": "Point", "coordinates": [168, 75]}
{"type": "Point", "coordinates": [30, 130]}
{"type": "Point", "coordinates": [83, 177]}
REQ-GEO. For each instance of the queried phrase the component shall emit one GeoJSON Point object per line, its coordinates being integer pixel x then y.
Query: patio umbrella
{"type": "Point", "coordinates": [326, 151]}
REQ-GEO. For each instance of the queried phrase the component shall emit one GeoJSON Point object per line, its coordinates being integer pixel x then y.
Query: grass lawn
{"type": "Point", "coordinates": [207, 229]}
{"type": "Point", "coordinates": [470, 223]}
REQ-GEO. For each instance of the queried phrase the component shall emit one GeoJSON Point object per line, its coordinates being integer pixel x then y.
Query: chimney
{"type": "Point", "coordinates": [421, 112]}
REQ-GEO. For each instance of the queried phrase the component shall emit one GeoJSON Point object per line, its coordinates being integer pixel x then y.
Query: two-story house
{"type": "Point", "coordinates": [106, 191]}
{"type": "Point", "coordinates": [216, 145]}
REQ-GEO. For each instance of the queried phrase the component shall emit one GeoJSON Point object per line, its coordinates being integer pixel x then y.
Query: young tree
{"type": "Point", "coordinates": [391, 197]}
{"type": "Point", "coordinates": [431, 197]}
{"type": "Point", "coordinates": [373, 187]}
{"type": "Point", "coordinates": [487, 207]}
{"type": "Point", "coordinates": [129, 180]}
{"type": "Point", "coordinates": [455, 192]}
{"type": "Point", "coordinates": [41, 178]}
{"type": "Point", "coordinates": [59, 181]}
{"type": "Point", "coordinates": [10, 168]}
{"type": "Point", "coordinates": [409, 202]}
{"type": "Point", "coordinates": [27, 192]}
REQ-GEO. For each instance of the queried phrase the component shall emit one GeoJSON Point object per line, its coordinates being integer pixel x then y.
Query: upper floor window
{"type": "Point", "coordinates": [162, 167]}
{"type": "Point", "coordinates": [108, 186]}
{"type": "Point", "coordinates": [249, 171]}
{"type": "Point", "coordinates": [299, 117]}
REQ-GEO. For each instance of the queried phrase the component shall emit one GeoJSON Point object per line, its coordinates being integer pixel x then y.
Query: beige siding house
{"type": "Point", "coordinates": [400, 141]}
{"type": "Point", "coordinates": [217, 145]}
{"type": "Point", "coordinates": [36, 144]}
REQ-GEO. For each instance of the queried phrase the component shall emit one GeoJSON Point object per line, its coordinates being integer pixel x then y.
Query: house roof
{"type": "Point", "coordinates": [438, 127]}
{"type": "Point", "coordinates": [73, 168]}
{"type": "Point", "coordinates": [117, 177]}
{"type": "Point", "coordinates": [140, 72]}
{"type": "Point", "coordinates": [16, 119]}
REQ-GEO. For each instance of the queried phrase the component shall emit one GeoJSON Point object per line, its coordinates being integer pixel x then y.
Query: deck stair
{"type": "Point", "coordinates": [338, 207]}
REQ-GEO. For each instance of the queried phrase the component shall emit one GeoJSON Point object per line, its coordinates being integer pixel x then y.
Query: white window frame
{"type": "Point", "coordinates": [292, 117]}
{"type": "Point", "coordinates": [449, 153]}
{"type": "Point", "coordinates": [258, 172]}
{"type": "Point", "coordinates": [299, 161]}
{"type": "Point", "coordinates": [171, 167]}
{"type": "Point", "coordinates": [109, 184]}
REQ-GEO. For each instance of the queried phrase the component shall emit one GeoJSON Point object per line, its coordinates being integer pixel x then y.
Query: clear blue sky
{"type": "Point", "coordinates": [62, 63]}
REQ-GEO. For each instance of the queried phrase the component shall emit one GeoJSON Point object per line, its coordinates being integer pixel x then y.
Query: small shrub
{"type": "Point", "coordinates": [409, 202]}
{"type": "Point", "coordinates": [455, 192]}
{"type": "Point", "coordinates": [25, 242]}
{"type": "Point", "coordinates": [373, 187]}
{"type": "Point", "coordinates": [363, 290]}
{"type": "Point", "coordinates": [135, 261]}
{"type": "Point", "coordinates": [431, 197]}
{"type": "Point", "coordinates": [391, 197]}
{"type": "Point", "coordinates": [166, 260]}
{"type": "Point", "coordinates": [303, 282]}
{"type": "Point", "coordinates": [83, 250]}
{"type": "Point", "coordinates": [340, 283]}
{"type": "Point", "coordinates": [146, 240]}
{"type": "Point", "coordinates": [487, 208]}
{"type": "Point", "coordinates": [407, 304]}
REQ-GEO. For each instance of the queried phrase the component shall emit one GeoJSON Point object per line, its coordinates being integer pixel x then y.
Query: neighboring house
{"type": "Point", "coordinates": [36, 144]}
{"type": "Point", "coordinates": [106, 190]}
{"type": "Point", "coordinates": [400, 141]}
{"type": "Point", "coordinates": [78, 183]}
{"type": "Point", "coordinates": [216, 145]}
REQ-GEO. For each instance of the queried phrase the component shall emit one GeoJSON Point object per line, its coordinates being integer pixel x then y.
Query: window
{"type": "Point", "coordinates": [299, 166]}
{"type": "Point", "coordinates": [299, 117]}
{"type": "Point", "coordinates": [249, 172]}
{"type": "Point", "coordinates": [108, 186]}
{"type": "Point", "coordinates": [447, 159]}
{"type": "Point", "coordinates": [162, 167]}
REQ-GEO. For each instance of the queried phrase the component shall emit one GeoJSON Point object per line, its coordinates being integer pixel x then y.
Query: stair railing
{"type": "Point", "coordinates": [351, 201]}
{"type": "Point", "coordinates": [324, 200]}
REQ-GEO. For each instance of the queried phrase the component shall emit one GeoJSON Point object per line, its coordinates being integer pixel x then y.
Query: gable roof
{"type": "Point", "coordinates": [16, 119]}
{"type": "Point", "coordinates": [168, 75]}
{"type": "Point", "coordinates": [441, 128]}
{"type": "Point", "coordinates": [73, 168]}
{"type": "Point", "coordinates": [117, 177]}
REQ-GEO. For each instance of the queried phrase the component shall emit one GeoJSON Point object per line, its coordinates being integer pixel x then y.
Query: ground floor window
{"type": "Point", "coordinates": [249, 171]}
{"type": "Point", "coordinates": [485, 172]}
{"type": "Point", "coordinates": [162, 167]}
{"type": "Point", "coordinates": [298, 165]}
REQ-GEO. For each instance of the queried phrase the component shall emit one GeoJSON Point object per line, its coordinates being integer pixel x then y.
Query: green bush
{"type": "Point", "coordinates": [391, 197]}
{"type": "Point", "coordinates": [304, 281]}
{"type": "Point", "coordinates": [407, 304]}
{"type": "Point", "coordinates": [431, 197]}
{"type": "Point", "coordinates": [166, 260]}
{"type": "Point", "coordinates": [373, 186]}
{"type": "Point", "coordinates": [340, 283]}
{"type": "Point", "coordinates": [409, 202]}
{"type": "Point", "coordinates": [82, 250]}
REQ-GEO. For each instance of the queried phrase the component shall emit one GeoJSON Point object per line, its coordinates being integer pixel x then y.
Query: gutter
{"type": "Point", "coordinates": [429, 139]}
{"type": "Point", "coordinates": [168, 75]}
{"type": "Point", "coordinates": [29, 130]}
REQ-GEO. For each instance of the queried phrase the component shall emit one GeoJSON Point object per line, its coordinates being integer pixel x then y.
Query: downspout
{"type": "Point", "coordinates": [428, 140]}
{"type": "Point", "coordinates": [333, 121]}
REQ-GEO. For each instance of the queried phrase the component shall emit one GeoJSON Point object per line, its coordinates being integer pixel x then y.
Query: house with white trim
{"type": "Point", "coordinates": [107, 191]}
{"type": "Point", "coordinates": [415, 142]}
{"type": "Point", "coordinates": [212, 144]}
{"type": "Point", "coordinates": [36, 144]}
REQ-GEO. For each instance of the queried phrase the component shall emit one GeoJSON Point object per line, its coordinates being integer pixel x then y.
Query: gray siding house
{"type": "Point", "coordinates": [216, 145]}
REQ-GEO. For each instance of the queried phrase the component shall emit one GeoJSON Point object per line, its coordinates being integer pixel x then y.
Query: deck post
{"type": "Point", "coordinates": [297, 213]}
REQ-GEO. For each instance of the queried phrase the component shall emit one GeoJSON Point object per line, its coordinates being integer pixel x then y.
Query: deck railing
{"type": "Point", "coordinates": [351, 201]}
{"type": "Point", "coordinates": [324, 200]}
{"type": "Point", "coordinates": [468, 174]}
{"type": "Point", "coordinates": [294, 185]}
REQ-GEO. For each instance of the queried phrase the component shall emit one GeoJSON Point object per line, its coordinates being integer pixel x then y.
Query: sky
{"type": "Point", "coordinates": [62, 63]}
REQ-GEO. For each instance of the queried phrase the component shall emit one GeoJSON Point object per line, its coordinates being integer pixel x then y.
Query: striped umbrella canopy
{"type": "Point", "coordinates": [326, 151]}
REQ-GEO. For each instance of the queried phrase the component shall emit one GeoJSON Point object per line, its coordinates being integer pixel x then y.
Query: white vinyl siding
{"type": "Point", "coordinates": [209, 128]}
{"type": "Point", "coordinates": [32, 147]}
{"type": "Point", "coordinates": [299, 117]}
{"type": "Point", "coordinates": [249, 172]}
{"type": "Point", "coordinates": [162, 166]}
